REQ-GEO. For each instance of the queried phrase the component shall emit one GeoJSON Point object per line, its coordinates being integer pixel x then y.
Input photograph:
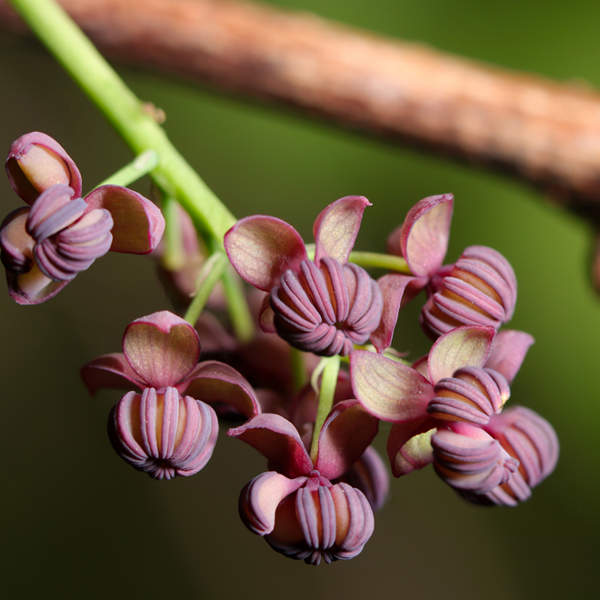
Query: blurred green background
{"type": "Point", "coordinates": [79, 523]}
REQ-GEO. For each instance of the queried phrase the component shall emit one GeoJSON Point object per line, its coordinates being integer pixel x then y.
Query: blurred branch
{"type": "Point", "coordinates": [547, 133]}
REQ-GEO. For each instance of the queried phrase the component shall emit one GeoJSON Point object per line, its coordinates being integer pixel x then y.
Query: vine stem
{"type": "Point", "coordinates": [141, 165]}
{"type": "Point", "coordinates": [326, 392]}
{"type": "Point", "coordinates": [123, 109]}
{"type": "Point", "coordinates": [174, 255]}
{"type": "Point", "coordinates": [379, 260]}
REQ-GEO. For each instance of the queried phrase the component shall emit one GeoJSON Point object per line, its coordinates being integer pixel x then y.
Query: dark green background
{"type": "Point", "coordinates": [79, 523]}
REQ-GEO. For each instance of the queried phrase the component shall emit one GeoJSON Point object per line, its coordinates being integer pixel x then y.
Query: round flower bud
{"type": "Point", "coordinates": [467, 458]}
{"type": "Point", "coordinates": [479, 289]}
{"type": "Point", "coordinates": [321, 522]}
{"type": "Point", "coordinates": [326, 309]}
{"type": "Point", "coordinates": [472, 394]}
{"type": "Point", "coordinates": [163, 433]}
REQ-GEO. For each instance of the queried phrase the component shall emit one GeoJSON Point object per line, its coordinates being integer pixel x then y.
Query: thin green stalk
{"type": "Point", "coordinates": [239, 313]}
{"type": "Point", "coordinates": [298, 367]}
{"type": "Point", "coordinates": [99, 81]}
{"type": "Point", "coordinates": [141, 165]}
{"type": "Point", "coordinates": [174, 255]}
{"type": "Point", "coordinates": [326, 393]}
{"type": "Point", "coordinates": [381, 261]}
{"type": "Point", "coordinates": [211, 272]}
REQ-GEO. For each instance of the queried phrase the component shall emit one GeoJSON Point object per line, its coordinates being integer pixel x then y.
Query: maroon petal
{"type": "Point", "coordinates": [109, 371]}
{"type": "Point", "coordinates": [221, 386]}
{"type": "Point", "coordinates": [389, 390]}
{"type": "Point", "coordinates": [346, 433]}
{"type": "Point", "coordinates": [261, 497]}
{"type": "Point", "coordinates": [16, 244]}
{"type": "Point", "coordinates": [278, 440]}
{"type": "Point", "coordinates": [461, 347]}
{"type": "Point", "coordinates": [161, 348]}
{"type": "Point", "coordinates": [263, 248]}
{"type": "Point", "coordinates": [409, 446]}
{"type": "Point", "coordinates": [336, 228]}
{"type": "Point", "coordinates": [508, 351]}
{"type": "Point", "coordinates": [36, 162]}
{"type": "Point", "coordinates": [423, 237]}
{"type": "Point", "coordinates": [138, 223]}
{"type": "Point", "coordinates": [32, 287]}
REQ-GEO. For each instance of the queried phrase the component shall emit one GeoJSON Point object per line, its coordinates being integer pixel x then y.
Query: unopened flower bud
{"type": "Point", "coordinates": [479, 289]}
{"type": "Point", "coordinates": [36, 162]}
{"type": "Point", "coordinates": [326, 309]}
{"type": "Point", "coordinates": [472, 394]}
{"type": "Point", "coordinates": [467, 458]}
{"type": "Point", "coordinates": [163, 433]}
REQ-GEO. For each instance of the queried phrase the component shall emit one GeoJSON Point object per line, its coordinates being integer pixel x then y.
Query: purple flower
{"type": "Point", "coordinates": [170, 428]}
{"type": "Point", "coordinates": [296, 506]}
{"type": "Point", "coordinates": [45, 245]}
{"type": "Point", "coordinates": [323, 306]}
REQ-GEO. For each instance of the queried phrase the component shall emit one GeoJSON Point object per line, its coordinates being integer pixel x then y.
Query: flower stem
{"type": "Point", "coordinates": [173, 256]}
{"type": "Point", "coordinates": [239, 313]}
{"type": "Point", "coordinates": [298, 368]}
{"type": "Point", "coordinates": [378, 260]}
{"type": "Point", "coordinates": [211, 272]}
{"type": "Point", "coordinates": [326, 393]}
{"type": "Point", "coordinates": [104, 87]}
{"type": "Point", "coordinates": [136, 169]}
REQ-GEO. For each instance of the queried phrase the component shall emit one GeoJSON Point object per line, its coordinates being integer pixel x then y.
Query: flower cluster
{"type": "Point", "coordinates": [60, 233]}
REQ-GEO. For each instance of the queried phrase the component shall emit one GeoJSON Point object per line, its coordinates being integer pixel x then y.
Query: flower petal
{"type": "Point", "coordinates": [15, 243]}
{"type": "Point", "coordinates": [109, 371]}
{"type": "Point", "coordinates": [508, 351]}
{"type": "Point", "coordinates": [409, 446]}
{"type": "Point", "coordinates": [278, 440]}
{"type": "Point", "coordinates": [138, 223]}
{"type": "Point", "coordinates": [261, 497]}
{"type": "Point", "coordinates": [423, 237]}
{"type": "Point", "coordinates": [220, 385]}
{"type": "Point", "coordinates": [161, 348]}
{"type": "Point", "coordinates": [32, 287]}
{"type": "Point", "coordinates": [388, 389]}
{"type": "Point", "coordinates": [345, 435]}
{"type": "Point", "coordinates": [336, 228]}
{"type": "Point", "coordinates": [262, 248]}
{"type": "Point", "coordinates": [461, 347]}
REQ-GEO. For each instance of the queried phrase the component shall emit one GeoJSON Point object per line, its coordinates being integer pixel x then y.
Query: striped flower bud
{"type": "Point", "coordinates": [165, 434]}
{"type": "Point", "coordinates": [469, 459]}
{"type": "Point", "coordinates": [322, 522]}
{"type": "Point", "coordinates": [326, 309]}
{"type": "Point", "coordinates": [479, 289]}
{"type": "Point", "coordinates": [472, 394]}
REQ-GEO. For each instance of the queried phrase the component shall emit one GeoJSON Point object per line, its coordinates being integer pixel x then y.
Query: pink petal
{"type": "Point", "coordinates": [388, 389]}
{"type": "Point", "coordinates": [392, 289]}
{"type": "Point", "coordinates": [36, 162]}
{"type": "Point", "coordinates": [138, 223]}
{"type": "Point", "coordinates": [16, 244]}
{"type": "Point", "coordinates": [345, 435]}
{"type": "Point", "coordinates": [266, 316]}
{"type": "Point", "coordinates": [109, 371]}
{"type": "Point", "coordinates": [161, 348]}
{"type": "Point", "coordinates": [261, 497]}
{"type": "Point", "coordinates": [278, 440]}
{"type": "Point", "coordinates": [423, 237]}
{"type": "Point", "coordinates": [461, 347]}
{"type": "Point", "coordinates": [262, 248]}
{"type": "Point", "coordinates": [336, 228]}
{"type": "Point", "coordinates": [220, 385]}
{"type": "Point", "coordinates": [32, 287]}
{"type": "Point", "coordinates": [409, 446]}
{"type": "Point", "coordinates": [508, 351]}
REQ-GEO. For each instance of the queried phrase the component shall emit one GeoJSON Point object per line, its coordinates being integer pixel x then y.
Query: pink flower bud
{"type": "Point", "coordinates": [479, 289]}
{"type": "Point", "coordinates": [467, 458]}
{"type": "Point", "coordinates": [472, 394]}
{"type": "Point", "coordinates": [326, 309]}
{"type": "Point", "coordinates": [36, 162]}
{"type": "Point", "coordinates": [164, 434]}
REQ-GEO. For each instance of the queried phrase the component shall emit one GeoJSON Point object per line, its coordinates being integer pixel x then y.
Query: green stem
{"type": "Point", "coordinates": [378, 260]}
{"type": "Point", "coordinates": [99, 81]}
{"type": "Point", "coordinates": [239, 313]}
{"type": "Point", "coordinates": [136, 169]}
{"type": "Point", "coordinates": [211, 272]}
{"type": "Point", "coordinates": [174, 255]}
{"type": "Point", "coordinates": [326, 393]}
{"type": "Point", "coordinates": [298, 367]}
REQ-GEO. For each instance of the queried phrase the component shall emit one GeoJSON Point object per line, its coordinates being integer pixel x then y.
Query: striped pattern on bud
{"type": "Point", "coordinates": [326, 309]}
{"type": "Point", "coordinates": [467, 458]}
{"type": "Point", "coordinates": [164, 434]}
{"type": "Point", "coordinates": [318, 522]}
{"type": "Point", "coordinates": [472, 394]}
{"type": "Point", "coordinates": [479, 289]}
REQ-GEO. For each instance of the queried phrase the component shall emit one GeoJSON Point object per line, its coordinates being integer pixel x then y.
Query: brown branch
{"type": "Point", "coordinates": [546, 132]}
